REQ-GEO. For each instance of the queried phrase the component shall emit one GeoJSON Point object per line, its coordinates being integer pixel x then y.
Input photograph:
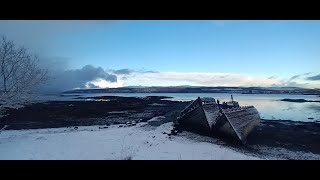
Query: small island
{"type": "Point", "coordinates": [297, 100]}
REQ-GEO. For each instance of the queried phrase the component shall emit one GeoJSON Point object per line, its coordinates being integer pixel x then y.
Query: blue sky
{"type": "Point", "coordinates": [247, 49]}
{"type": "Point", "coordinates": [259, 47]}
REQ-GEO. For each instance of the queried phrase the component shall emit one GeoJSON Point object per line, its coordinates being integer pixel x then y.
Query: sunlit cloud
{"type": "Point", "coordinates": [200, 79]}
{"type": "Point", "coordinates": [102, 83]}
{"type": "Point", "coordinates": [212, 79]}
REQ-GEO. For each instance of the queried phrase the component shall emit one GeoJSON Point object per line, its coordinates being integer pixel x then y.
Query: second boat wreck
{"type": "Point", "coordinates": [207, 116]}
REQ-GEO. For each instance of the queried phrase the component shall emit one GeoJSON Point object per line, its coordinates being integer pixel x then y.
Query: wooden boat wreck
{"type": "Point", "coordinates": [206, 116]}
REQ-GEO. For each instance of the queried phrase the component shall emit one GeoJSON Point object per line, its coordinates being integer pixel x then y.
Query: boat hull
{"type": "Point", "coordinates": [236, 123]}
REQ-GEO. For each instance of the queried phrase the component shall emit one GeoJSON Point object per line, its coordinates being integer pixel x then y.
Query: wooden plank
{"type": "Point", "coordinates": [243, 120]}
{"type": "Point", "coordinates": [192, 105]}
{"type": "Point", "coordinates": [212, 113]}
{"type": "Point", "coordinates": [195, 119]}
{"type": "Point", "coordinates": [232, 127]}
{"type": "Point", "coordinates": [224, 127]}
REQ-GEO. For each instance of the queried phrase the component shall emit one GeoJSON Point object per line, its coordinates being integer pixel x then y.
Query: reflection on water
{"type": "Point", "coordinates": [268, 105]}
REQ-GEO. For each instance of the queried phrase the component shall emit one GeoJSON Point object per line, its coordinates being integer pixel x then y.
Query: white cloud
{"type": "Point", "coordinates": [154, 78]}
{"type": "Point", "coordinates": [86, 77]}
{"type": "Point", "coordinates": [312, 85]}
{"type": "Point", "coordinates": [102, 83]}
{"type": "Point", "coordinates": [199, 79]}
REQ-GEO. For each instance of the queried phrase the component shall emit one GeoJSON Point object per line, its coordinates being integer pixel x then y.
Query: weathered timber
{"type": "Point", "coordinates": [231, 120]}
{"type": "Point", "coordinates": [243, 120]}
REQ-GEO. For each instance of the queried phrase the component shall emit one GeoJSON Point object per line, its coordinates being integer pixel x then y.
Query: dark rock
{"type": "Point", "coordinates": [297, 100]}
{"type": "Point", "coordinates": [310, 118]}
{"type": "Point", "coordinates": [105, 127]}
{"type": "Point", "coordinates": [76, 128]}
{"type": "Point", "coordinates": [174, 132]}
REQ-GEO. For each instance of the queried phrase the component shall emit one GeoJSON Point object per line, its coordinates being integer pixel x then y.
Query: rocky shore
{"type": "Point", "coordinates": [269, 138]}
{"type": "Point", "coordinates": [106, 110]}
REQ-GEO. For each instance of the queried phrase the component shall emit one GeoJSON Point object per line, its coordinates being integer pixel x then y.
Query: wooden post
{"type": "Point", "coordinates": [218, 102]}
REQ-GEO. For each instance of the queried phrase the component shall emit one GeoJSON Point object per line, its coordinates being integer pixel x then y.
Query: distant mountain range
{"type": "Point", "coordinates": [202, 89]}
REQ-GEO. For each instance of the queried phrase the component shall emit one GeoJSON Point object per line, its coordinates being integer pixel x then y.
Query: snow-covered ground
{"type": "Point", "coordinates": [115, 143]}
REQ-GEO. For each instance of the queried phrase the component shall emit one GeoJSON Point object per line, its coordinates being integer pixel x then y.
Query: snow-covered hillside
{"type": "Point", "coordinates": [115, 143]}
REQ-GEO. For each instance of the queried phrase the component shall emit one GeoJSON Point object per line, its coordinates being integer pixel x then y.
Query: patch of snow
{"type": "Point", "coordinates": [156, 119]}
{"type": "Point", "coordinates": [90, 142]}
{"type": "Point", "coordinates": [118, 112]}
{"type": "Point", "coordinates": [157, 104]}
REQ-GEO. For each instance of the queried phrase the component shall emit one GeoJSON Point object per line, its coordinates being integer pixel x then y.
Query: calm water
{"type": "Point", "coordinates": [268, 105]}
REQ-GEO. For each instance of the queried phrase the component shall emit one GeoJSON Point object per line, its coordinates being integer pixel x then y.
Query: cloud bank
{"type": "Point", "coordinates": [97, 77]}
{"type": "Point", "coordinates": [214, 79]}
{"type": "Point", "coordinates": [202, 79]}
{"type": "Point", "coordinates": [314, 78]}
{"type": "Point", "coordinates": [86, 77]}
{"type": "Point", "coordinates": [123, 71]}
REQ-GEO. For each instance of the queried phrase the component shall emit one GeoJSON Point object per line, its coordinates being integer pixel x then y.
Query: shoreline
{"type": "Point", "coordinates": [107, 110]}
{"type": "Point", "coordinates": [289, 135]}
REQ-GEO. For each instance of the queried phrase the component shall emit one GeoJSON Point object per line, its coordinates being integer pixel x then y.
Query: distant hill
{"type": "Point", "coordinates": [134, 86]}
{"type": "Point", "coordinates": [202, 89]}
